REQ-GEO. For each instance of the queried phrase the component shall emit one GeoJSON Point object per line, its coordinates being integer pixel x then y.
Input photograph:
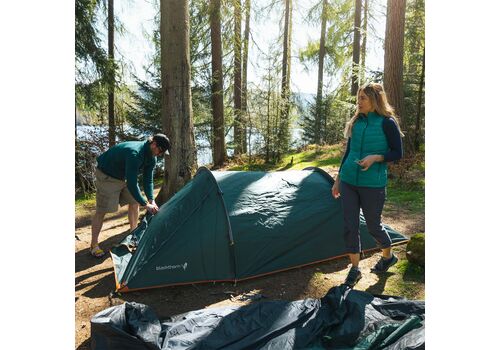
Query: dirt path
{"type": "Point", "coordinates": [94, 278]}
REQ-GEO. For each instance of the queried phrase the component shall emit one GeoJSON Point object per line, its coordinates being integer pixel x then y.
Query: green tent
{"type": "Point", "coordinates": [232, 225]}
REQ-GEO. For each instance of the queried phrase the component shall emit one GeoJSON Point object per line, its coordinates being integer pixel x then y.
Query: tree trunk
{"type": "Point", "coordinates": [219, 147]}
{"type": "Point", "coordinates": [111, 69]}
{"type": "Point", "coordinates": [419, 104]}
{"type": "Point", "coordinates": [268, 129]}
{"type": "Point", "coordinates": [363, 44]}
{"type": "Point", "coordinates": [285, 85]}
{"type": "Point", "coordinates": [176, 107]}
{"type": "Point", "coordinates": [318, 139]}
{"type": "Point", "coordinates": [276, 132]}
{"type": "Point", "coordinates": [355, 49]}
{"type": "Point", "coordinates": [289, 56]}
{"type": "Point", "coordinates": [393, 56]}
{"type": "Point", "coordinates": [238, 132]}
{"type": "Point", "coordinates": [244, 87]}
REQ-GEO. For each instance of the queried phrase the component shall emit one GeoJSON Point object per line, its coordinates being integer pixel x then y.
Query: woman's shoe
{"type": "Point", "coordinates": [353, 277]}
{"type": "Point", "coordinates": [384, 264]}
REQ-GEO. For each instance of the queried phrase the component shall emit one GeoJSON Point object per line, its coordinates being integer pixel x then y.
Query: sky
{"type": "Point", "coordinates": [138, 19]}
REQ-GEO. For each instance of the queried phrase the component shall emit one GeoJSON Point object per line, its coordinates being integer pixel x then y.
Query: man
{"type": "Point", "coordinates": [116, 182]}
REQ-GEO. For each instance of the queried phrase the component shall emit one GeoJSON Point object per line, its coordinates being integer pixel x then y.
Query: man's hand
{"type": "Point", "coordinates": [152, 207]}
{"type": "Point", "coordinates": [336, 190]}
{"type": "Point", "coordinates": [367, 161]}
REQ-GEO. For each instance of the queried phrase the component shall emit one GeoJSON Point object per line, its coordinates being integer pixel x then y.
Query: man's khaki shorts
{"type": "Point", "coordinates": [111, 192]}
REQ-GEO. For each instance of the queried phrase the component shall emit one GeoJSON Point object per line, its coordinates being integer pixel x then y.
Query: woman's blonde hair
{"type": "Point", "coordinates": [378, 99]}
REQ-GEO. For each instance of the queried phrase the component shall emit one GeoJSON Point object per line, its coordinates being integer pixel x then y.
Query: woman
{"type": "Point", "coordinates": [374, 139]}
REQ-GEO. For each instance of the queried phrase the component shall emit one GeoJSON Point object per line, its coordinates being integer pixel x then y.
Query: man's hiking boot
{"type": "Point", "coordinates": [384, 264]}
{"type": "Point", "coordinates": [353, 277]}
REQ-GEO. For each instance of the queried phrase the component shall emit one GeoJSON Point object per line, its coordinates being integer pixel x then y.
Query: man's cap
{"type": "Point", "coordinates": [163, 142]}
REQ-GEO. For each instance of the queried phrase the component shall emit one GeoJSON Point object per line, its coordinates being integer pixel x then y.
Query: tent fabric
{"type": "Point", "coordinates": [233, 225]}
{"type": "Point", "coordinates": [342, 319]}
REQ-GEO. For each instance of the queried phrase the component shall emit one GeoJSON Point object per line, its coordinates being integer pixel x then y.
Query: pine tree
{"type": "Point", "coordinates": [176, 109]}
{"type": "Point", "coordinates": [393, 56]}
{"type": "Point", "coordinates": [219, 148]}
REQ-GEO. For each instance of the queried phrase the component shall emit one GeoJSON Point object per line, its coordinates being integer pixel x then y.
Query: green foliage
{"type": "Point", "coordinates": [414, 39]}
{"type": "Point", "coordinates": [338, 40]}
{"type": "Point", "coordinates": [415, 249]}
{"type": "Point", "coordinates": [91, 61]}
{"type": "Point", "coordinates": [310, 53]}
{"type": "Point", "coordinates": [141, 106]}
{"type": "Point", "coordinates": [145, 114]}
{"type": "Point", "coordinates": [263, 110]}
{"type": "Point", "coordinates": [91, 58]}
{"type": "Point", "coordinates": [336, 106]}
{"type": "Point", "coordinates": [94, 71]}
{"type": "Point", "coordinates": [414, 48]}
{"type": "Point", "coordinates": [308, 121]}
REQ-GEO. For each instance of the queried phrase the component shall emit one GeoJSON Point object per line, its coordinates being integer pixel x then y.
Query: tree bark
{"type": "Point", "coordinates": [363, 43]}
{"type": "Point", "coordinates": [268, 129]}
{"type": "Point", "coordinates": [238, 132]}
{"type": "Point", "coordinates": [285, 84]}
{"type": "Point", "coordinates": [393, 56]}
{"type": "Point", "coordinates": [318, 139]}
{"type": "Point", "coordinates": [219, 147]}
{"type": "Point", "coordinates": [419, 104]}
{"type": "Point", "coordinates": [355, 49]}
{"type": "Point", "coordinates": [244, 87]}
{"type": "Point", "coordinates": [111, 77]}
{"type": "Point", "coordinates": [176, 107]}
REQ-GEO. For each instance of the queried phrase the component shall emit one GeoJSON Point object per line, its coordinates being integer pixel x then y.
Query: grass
{"type": "Point", "coordinates": [84, 199]}
{"type": "Point", "coordinates": [84, 204]}
{"type": "Point", "coordinates": [318, 156]}
{"type": "Point", "coordinates": [408, 280]}
{"type": "Point", "coordinates": [255, 165]}
{"type": "Point", "coordinates": [403, 196]}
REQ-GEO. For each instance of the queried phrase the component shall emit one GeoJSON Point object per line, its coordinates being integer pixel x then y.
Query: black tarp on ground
{"type": "Point", "coordinates": [342, 319]}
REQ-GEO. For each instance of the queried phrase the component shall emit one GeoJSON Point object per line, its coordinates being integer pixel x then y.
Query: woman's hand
{"type": "Point", "coordinates": [367, 161]}
{"type": "Point", "coordinates": [336, 189]}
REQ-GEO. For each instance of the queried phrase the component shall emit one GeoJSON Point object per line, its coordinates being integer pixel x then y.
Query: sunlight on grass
{"type": "Point", "coordinates": [85, 200]}
{"type": "Point", "coordinates": [312, 156]}
{"type": "Point", "coordinates": [407, 197]}
{"type": "Point", "coordinates": [84, 204]}
{"type": "Point", "coordinates": [407, 280]}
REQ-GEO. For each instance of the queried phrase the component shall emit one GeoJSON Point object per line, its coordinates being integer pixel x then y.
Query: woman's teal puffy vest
{"type": "Point", "coordinates": [367, 138]}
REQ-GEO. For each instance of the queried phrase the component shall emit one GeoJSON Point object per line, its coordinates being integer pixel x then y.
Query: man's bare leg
{"type": "Point", "coordinates": [97, 221]}
{"type": "Point", "coordinates": [133, 215]}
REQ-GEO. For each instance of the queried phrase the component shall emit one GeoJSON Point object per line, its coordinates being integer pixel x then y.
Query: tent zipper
{"type": "Point", "coordinates": [361, 150]}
